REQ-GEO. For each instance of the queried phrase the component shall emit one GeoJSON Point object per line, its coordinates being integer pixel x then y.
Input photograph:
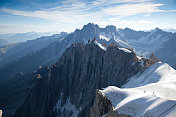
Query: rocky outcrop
{"type": "Point", "coordinates": [103, 107]}
{"type": "Point", "coordinates": [152, 59]}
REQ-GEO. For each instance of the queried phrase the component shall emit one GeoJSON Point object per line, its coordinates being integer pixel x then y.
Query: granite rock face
{"type": "Point", "coordinates": [103, 107]}
{"type": "Point", "coordinates": [68, 87]}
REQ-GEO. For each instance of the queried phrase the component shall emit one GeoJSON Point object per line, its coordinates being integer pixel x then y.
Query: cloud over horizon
{"type": "Point", "coordinates": [75, 13]}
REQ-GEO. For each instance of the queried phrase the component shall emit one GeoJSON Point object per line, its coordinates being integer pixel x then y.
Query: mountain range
{"type": "Point", "coordinates": [22, 37]}
{"type": "Point", "coordinates": [21, 57]}
{"type": "Point", "coordinates": [143, 43]}
{"type": "Point", "coordinates": [3, 42]}
{"type": "Point", "coordinates": [58, 75]}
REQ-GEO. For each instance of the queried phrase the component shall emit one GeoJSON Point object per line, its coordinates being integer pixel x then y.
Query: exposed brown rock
{"type": "Point", "coordinates": [103, 107]}
{"type": "Point", "coordinates": [104, 44]}
{"type": "Point", "coordinates": [113, 44]}
{"type": "Point", "coordinates": [152, 60]}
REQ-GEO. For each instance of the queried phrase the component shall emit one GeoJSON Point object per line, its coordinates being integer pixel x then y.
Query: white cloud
{"type": "Point", "coordinates": [147, 15]}
{"type": "Point", "coordinates": [75, 13]}
{"type": "Point", "coordinates": [132, 9]}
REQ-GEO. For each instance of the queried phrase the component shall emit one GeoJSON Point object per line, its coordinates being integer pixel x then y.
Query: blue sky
{"type": "Point", "coordinates": [18, 16]}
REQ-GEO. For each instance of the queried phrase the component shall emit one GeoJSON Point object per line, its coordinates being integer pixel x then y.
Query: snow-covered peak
{"type": "Point", "coordinates": [90, 26]}
{"type": "Point", "coordinates": [111, 28]}
{"type": "Point", "coordinates": [127, 29]}
{"type": "Point", "coordinates": [155, 30]}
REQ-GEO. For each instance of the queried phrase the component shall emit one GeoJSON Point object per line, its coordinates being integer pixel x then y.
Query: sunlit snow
{"type": "Point", "coordinates": [104, 37]}
{"type": "Point", "coordinates": [101, 46]}
{"type": "Point", "coordinates": [151, 93]}
{"type": "Point", "coordinates": [125, 50]}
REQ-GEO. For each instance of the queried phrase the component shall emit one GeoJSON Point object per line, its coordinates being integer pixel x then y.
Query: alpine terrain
{"type": "Point", "coordinates": [92, 71]}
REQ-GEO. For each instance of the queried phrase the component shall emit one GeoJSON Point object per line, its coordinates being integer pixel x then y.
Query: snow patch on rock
{"type": "Point", "coordinates": [67, 107]}
{"type": "Point", "coordinates": [101, 46]}
{"type": "Point", "coordinates": [103, 36]}
{"type": "Point", "coordinates": [125, 50]}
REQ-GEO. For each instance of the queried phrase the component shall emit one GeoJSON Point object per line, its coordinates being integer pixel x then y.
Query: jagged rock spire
{"type": "Point", "coordinates": [153, 57]}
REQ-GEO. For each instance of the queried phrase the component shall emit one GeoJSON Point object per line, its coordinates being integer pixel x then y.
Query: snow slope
{"type": "Point", "coordinates": [125, 50]}
{"type": "Point", "coordinates": [144, 43]}
{"type": "Point", "coordinates": [104, 36]}
{"type": "Point", "coordinates": [100, 45]}
{"type": "Point", "coordinates": [159, 78]}
{"type": "Point", "coordinates": [104, 48]}
{"type": "Point", "coordinates": [151, 93]}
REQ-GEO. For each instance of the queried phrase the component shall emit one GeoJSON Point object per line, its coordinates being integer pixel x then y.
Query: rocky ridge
{"type": "Point", "coordinates": [68, 87]}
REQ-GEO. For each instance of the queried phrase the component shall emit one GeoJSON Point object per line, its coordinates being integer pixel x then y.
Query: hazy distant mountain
{"type": "Point", "coordinates": [5, 48]}
{"type": "Point", "coordinates": [167, 52]}
{"type": "Point", "coordinates": [3, 42]}
{"type": "Point", "coordinates": [22, 37]}
{"type": "Point", "coordinates": [170, 30]}
{"type": "Point", "coordinates": [22, 49]}
{"type": "Point", "coordinates": [145, 43]}
{"type": "Point", "coordinates": [26, 57]}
